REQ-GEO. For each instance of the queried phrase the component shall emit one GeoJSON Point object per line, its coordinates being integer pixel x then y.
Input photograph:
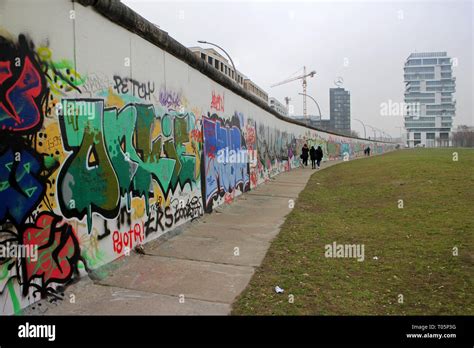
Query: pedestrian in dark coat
{"type": "Point", "coordinates": [319, 156]}
{"type": "Point", "coordinates": [304, 154]}
{"type": "Point", "coordinates": [312, 156]}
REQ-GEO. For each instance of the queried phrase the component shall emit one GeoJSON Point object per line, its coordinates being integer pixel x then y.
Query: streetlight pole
{"type": "Point", "coordinates": [228, 56]}
{"type": "Point", "coordinates": [381, 132]}
{"type": "Point", "coordinates": [386, 135]}
{"type": "Point", "coordinates": [383, 135]}
{"type": "Point", "coordinates": [365, 133]}
{"type": "Point", "coordinates": [400, 132]}
{"type": "Point", "coordinates": [319, 110]}
{"type": "Point", "coordinates": [373, 129]}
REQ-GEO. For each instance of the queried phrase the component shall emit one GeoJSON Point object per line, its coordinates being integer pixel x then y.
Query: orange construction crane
{"type": "Point", "coordinates": [303, 77]}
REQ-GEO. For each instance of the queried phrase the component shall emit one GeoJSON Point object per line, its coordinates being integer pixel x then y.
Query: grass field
{"type": "Point", "coordinates": [358, 203]}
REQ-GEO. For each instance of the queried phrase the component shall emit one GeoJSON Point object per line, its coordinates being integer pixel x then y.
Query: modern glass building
{"type": "Point", "coordinates": [429, 104]}
{"type": "Point", "coordinates": [340, 110]}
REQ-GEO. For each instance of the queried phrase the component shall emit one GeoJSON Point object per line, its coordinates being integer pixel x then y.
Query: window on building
{"type": "Point", "coordinates": [420, 69]}
{"type": "Point", "coordinates": [216, 64]}
{"type": "Point", "coordinates": [209, 59]}
{"type": "Point", "coordinates": [203, 56]}
{"type": "Point", "coordinates": [430, 61]}
{"type": "Point", "coordinates": [430, 136]}
{"type": "Point", "coordinates": [417, 136]}
{"type": "Point", "coordinates": [444, 136]}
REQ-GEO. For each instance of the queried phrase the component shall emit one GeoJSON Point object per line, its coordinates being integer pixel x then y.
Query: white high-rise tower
{"type": "Point", "coordinates": [430, 107]}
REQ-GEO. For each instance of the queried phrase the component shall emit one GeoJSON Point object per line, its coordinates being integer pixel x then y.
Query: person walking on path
{"type": "Point", "coordinates": [312, 156]}
{"type": "Point", "coordinates": [319, 156]}
{"type": "Point", "coordinates": [304, 154]}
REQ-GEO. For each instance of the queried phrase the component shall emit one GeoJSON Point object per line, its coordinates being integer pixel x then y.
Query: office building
{"type": "Point", "coordinates": [429, 104]}
{"type": "Point", "coordinates": [340, 110]}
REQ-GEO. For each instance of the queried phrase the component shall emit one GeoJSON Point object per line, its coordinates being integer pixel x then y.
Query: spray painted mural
{"type": "Point", "coordinates": [85, 179]}
{"type": "Point", "coordinates": [94, 164]}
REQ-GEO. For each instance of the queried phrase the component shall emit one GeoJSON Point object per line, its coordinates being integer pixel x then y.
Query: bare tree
{"type": "Point", "coordinates": [355, 134]}
{"type": "Point", "coordinates": [463, 136]}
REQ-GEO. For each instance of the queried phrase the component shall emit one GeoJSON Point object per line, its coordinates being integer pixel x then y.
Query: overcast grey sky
{"type": "Point", "coordinates": [271, 40]}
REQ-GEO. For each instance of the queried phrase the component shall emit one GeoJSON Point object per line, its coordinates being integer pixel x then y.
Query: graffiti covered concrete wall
{"type": "Point", "coordinates": [108, 141]}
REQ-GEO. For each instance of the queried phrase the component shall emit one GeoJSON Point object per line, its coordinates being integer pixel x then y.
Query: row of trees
{"type": "Point", "coordinates": [463, 136]}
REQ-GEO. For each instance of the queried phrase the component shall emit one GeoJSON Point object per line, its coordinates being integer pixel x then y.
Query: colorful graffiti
{"type": "Point", "coordinates": [217, 102]}
{"type": "Point", "coordinates": [22, 87]}
{"type": "Point", "coordinates": [76, 158]}
{"type": "Point", "coordinates": [114, 152]}
{"type": "Point", "coordinates": [59, 253]}
{"type": "Point", "coordinates": [223, 176]}
{"type": "Point", "coordinates": [276, 152]}
{"type": "Point", "coordinates": [26, 176]}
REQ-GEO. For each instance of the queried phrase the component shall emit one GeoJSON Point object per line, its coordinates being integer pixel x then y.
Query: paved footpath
{"type": "Point", "coordinates": [195, 271]}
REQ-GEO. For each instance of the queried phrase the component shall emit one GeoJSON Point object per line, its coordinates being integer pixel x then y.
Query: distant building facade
{"type": "Point", "coordinates": [277, 106]}
{"type": "Point", "coordinates": [324, 124]}
{"type": "Point", "coordinates": [315, 121]}
{"type": "Point", "coordinates": [251, 87]}
{"type": "Point", "coordinates": [212, 57]}
{"type": "Point", "coordinates": [340, 110]}
{"type": "Point", "coordinates": [430, 107]}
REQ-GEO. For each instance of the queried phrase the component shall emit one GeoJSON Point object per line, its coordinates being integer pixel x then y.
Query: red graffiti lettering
{"type": "Point", "coordinates": [217, 102]}
{"type": "Point", "coordinates": [128, 239]}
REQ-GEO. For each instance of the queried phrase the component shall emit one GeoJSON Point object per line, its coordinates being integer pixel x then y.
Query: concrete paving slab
{"type": "Point", "coordinates": [194, 279]}
{"type": "Point", "coordinates": [231, 233]}
{"type": "Point", "coordinates": [258, 218]}
{"type": "Point", "coordinates": [90, 298]}
{"type": "Point", "coordinates": [242, 251]}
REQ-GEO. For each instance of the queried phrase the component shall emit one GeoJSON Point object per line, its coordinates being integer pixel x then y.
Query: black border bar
{"type": "Point", "coordinates": [291, 330]}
